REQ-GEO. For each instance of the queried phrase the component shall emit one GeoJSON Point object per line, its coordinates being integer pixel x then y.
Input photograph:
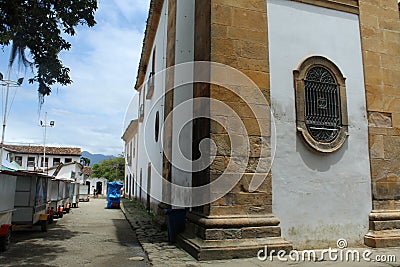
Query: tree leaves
{"type": "Point", "coordinates": [112, 169]}
{"type": "Point", "coordinates": [37, 26]}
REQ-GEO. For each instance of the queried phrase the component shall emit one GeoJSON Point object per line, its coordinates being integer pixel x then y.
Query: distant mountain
{"type": "Point", "coordinates": [95, 158]}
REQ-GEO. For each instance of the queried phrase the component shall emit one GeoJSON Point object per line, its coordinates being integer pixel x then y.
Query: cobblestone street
{"type": "Point", "coordinates": [93, 236]}
{"type": "Point", "coordinates": [88, 236]}
{"type": "Point", "coordinates": [161, 253]}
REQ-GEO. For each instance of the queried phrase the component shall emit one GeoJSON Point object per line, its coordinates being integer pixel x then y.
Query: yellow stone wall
{"type": "Point", "coordinates": [380, 34]}
{"type": "Point", "coordinates": [239, 39]}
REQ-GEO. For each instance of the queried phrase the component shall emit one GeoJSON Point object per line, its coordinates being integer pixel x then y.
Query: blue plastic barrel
{"type": "Point", "coordinates": [113, 194]}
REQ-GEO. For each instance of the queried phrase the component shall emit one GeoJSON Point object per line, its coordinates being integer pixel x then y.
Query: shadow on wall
{"type": "Point", "coordinates": [319, 161]}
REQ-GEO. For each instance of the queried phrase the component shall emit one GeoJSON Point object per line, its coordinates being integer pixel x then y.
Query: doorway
{"type": "Point", "coordinates": [99, 188]}
{"type": "Point", "coordinates": [148, 186]}
{"type": "Point", "coordinates": [88, 189]}
{"type": "Point", "coordinates": [130, 186]}
{"type": "Point", "coordinates": [140, 186]}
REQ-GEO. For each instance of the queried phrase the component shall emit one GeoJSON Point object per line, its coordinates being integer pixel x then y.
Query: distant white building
{"type": "Point", "coordinates": [131, 188]}
{"type": "Point", "coordinates": [100, 184]}
{"type": "Point", "coordinates": [68, 171]}
{"type": "Point", "coordinates": [31, 157]}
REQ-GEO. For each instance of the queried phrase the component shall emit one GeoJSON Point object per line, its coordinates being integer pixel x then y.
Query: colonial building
{"type": "Point", "coordinates": [130, 139]}
{"type": "Point", "coordinates": [98, 184]}
{"type": "Point", "coordinates": [68, 171]}
{"type": "Point", "coordinates": [325, 165]}
{"type": "Point", "coordinates": [31, 157]}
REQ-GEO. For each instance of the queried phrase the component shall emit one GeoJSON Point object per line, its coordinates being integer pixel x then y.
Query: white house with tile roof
{"type": "Point", "coordinates": [68, 171]}
{"type": "Point", "coordinates": [31, 157]}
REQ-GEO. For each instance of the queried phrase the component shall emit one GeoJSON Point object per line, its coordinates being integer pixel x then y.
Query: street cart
{"type": "Point", "coordinates": [84, 192]}
{"type": "Point", "coordinates": [75, 195]}
{"type": "Point", "coordinates": [71, 194]}
{"type": "Point", "coordinates": [56, 199]}
{"type": "Point", "coordinates": [65, 188]}
{"type": "Point", "coordinates": [7, 192]}
{"type": "Point", "coordinates": [31, 200]}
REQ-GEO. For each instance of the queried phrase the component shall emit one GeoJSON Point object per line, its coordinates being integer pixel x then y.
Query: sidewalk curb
{"type": "Point", "coordinates": [154, 242]}
{"type": "Point", "coordinates": [134, 228]}
{"type": "Point", "coordinates": [160, 253]}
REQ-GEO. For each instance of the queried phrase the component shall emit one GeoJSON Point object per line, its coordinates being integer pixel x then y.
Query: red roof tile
{"type": "Point", "coordinates": [70, 151]}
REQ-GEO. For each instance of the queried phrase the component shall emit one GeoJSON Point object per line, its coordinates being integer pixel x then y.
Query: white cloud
{"type": "Point", "coordinates": [103, 61]}
{"type": "Point", "coordinates": [106, 73]}
{"type": "Point", "coordinates": [124, 13]}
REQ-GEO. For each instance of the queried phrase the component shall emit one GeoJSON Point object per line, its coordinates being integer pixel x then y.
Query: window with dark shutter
{"type": "Point", "coordinates": [321, 104]}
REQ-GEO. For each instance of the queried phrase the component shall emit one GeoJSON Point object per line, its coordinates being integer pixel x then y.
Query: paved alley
{"type": "Point", "coordinates": [161, 254]}
{"type": "Point", "coordinates": [89, 236]}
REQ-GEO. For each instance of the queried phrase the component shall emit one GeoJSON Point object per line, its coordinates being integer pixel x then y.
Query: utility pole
{"type": "Point", "coordinates": [9, 84]}
{"type": "Point", "coordinates": [45, 125]}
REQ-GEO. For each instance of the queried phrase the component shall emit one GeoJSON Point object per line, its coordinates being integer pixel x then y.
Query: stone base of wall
{"type": "Point", "coordinates": [223, 237]}
{"type": "Point", "coordinates": [160, 216]}
{"type": "Point", "coordinates": [384, 229]}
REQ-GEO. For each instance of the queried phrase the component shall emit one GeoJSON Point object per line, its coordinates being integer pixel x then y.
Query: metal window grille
{"type": "Point", "coordinates": [322, 114]}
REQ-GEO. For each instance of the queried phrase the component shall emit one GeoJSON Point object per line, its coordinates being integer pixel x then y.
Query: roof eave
{"type": "Point", "coordinates": [149, 36]}
{"type": "Point", "coordinates": [130, 130]}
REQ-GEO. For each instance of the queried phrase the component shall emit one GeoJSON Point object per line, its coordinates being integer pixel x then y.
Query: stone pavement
{"type": "Point", "coordinates": [161, 253]}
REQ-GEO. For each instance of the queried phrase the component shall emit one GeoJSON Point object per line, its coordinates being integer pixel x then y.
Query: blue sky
{"type": "Point", "coordinates": [90, 112]}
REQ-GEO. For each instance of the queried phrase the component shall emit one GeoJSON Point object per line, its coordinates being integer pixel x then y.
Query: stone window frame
{"type": "Point", "coordinates": [56, 161]}
{"type": "Point", "coordinates": [299, 75]}
{"type": "Point", "coordinates": [31, 161]}
{"type": "Point", "coordinates": [151, 79]}
{"type": "Point", "coordinates": [18, 159]}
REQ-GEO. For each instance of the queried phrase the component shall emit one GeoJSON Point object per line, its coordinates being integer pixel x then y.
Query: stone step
{"type": "Point", "coordinates": [232, 248]}
{"type": "Point", "coordinates": [384, 238]}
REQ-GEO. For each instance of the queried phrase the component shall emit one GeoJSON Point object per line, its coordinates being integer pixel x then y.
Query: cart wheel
{"type": "Point", "coordinates": [43, 225]}
{"type": "Point", "coordinates": [51, 219]}
{"type": "Point", "coordinates": [5, 241]}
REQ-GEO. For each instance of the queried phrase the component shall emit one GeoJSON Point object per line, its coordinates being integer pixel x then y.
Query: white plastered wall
{"type": "Point", "coordinates": [182, 116]}
{"type": "Point", "coordinates": [148, 150]}
{"type": "Point", "coordinates": [319, 198]}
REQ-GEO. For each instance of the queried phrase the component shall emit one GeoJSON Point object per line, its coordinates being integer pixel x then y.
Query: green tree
{"type": "Point", "coordinates": [85, 161]}
{"type": "Point", "coordinates": [112, 169]}
{"type": "Point", "coordinates": [39, 27]}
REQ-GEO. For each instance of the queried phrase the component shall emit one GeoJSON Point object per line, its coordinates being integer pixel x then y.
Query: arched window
{"type": "Point", "coordinates": [321, 104]}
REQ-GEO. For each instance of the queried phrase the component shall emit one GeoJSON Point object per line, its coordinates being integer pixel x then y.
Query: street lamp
{"type": "Point", "coordinates": [8, 83]}
{"type": "Point", "coordinates": [45, 125]}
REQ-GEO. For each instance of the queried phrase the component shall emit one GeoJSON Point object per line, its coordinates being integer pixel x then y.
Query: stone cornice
{"type": "Point", "coordinates": [130, 131]}
{"type": "Point", "coordinates": [349, 6]}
